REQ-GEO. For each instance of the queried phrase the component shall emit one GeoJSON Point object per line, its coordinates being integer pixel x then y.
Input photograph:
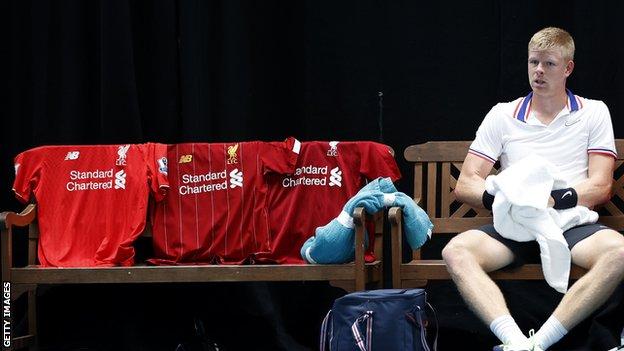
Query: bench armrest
{"type": "Point", "coordinates": [7, 221]}
{"type": "Point", "coordinates": [22, 219]}
{"type": "Point", "coordinates": [359, 219]}
{"type": "Point", "coordinates": [395, 216]}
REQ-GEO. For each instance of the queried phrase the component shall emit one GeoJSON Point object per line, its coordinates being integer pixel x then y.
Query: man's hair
{"type": "Point", "coordinates": [553, 38]}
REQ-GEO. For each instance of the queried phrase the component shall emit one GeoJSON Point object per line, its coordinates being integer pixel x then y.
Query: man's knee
{"type": "Point", "coordinates": [457, 253]}
{"type": "Point", "coordinates": [616, 256]}
{"type": "Point", "coordinates": [613, 260]}
{"type": "Point", "coordinates": [476, 247]}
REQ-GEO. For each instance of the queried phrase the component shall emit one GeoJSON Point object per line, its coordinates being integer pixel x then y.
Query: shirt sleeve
{"type": "Point", "coordinates": [488, 141]}
{"type": "Point", "coordinates": [157, 166]}
{"type": "Point", "coordinates": [27, 174]}
{"type": "Point", "coordinates": [377, 160]}
{"type": "Point", "coordinates": [601, 139]}
{"type": "Point", "coordinates": [280, 157]}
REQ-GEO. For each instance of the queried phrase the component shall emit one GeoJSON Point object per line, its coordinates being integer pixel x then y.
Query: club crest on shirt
{"type": "Point", "coordinates": [333, 149]}
{"type": "Point", "coordinates": [121, 152]}
{"type": "Point", "coordinates": [232, 154]}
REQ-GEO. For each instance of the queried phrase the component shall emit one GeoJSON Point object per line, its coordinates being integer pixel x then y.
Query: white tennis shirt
{"type": "Point", "coordinates": [510, 132]}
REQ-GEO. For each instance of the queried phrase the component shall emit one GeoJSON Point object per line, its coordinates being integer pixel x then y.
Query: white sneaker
{"type": "Point", "coordinates": [527, 345]}
{"type": "Point", "coordinates": [535, 347]}
{"type": "Point", "coordinates": [524, 346]}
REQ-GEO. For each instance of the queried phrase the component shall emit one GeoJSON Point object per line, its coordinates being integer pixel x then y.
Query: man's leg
{"type": "Point", "coordinates": [603, 254]}
{"type": "Point", "coordinates": [468, 257]}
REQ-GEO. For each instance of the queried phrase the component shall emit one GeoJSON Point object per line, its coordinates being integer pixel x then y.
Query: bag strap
{"type": "Point", "coordinates": [416, 317]}
{"type": "Point", "coordinates": [437, 328]}
{"type": "Point", "coordinates": [324, 331]}
{"type": "Point", "coordinates": [363, 345]}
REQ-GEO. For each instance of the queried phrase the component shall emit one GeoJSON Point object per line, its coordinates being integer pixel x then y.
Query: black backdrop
{"type": "Point", "coordinates": [120, 71]}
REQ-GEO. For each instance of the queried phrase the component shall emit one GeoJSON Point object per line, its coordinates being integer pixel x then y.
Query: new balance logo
{"type": "Point", "coordinates": [569, 192]}
{"type": "Point", "coordinates": [120, 180]}
{"type": "Point", "coordinates": [333, 149]}
{"type": "Point", "coordinates": [72, 155]}
{"type": "Point", "coordinates": [335, 177]}
{"type": "Point", "coordinates": [121, 152]}
{"type": "Point", "coordinates": [186, 158]}
{"type": "Point", "coordinates": [236, 178]}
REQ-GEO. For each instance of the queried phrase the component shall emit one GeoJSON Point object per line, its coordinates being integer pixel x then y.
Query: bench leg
{"type": "Point", "coordinates": [32, 317]}
{"type": "Point", "coordinates": [28, 341]}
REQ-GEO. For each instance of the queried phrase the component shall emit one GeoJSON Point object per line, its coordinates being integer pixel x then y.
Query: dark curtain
{"type": "Point", "coordinates": [94, 72]}
{"type": "Point", "coordinates": [124, 71]}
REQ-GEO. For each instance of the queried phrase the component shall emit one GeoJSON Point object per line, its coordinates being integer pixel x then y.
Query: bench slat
{"type": "Point", "coordinates": [196, 273]}
{"type": "Point", "coordinates": [436, 270]}
{"type": "Point", "coordinates": [437, 151]}
{"type": "Point", "coordinates": [458, 225]}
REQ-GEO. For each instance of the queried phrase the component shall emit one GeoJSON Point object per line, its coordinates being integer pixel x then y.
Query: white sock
{"type": "Point", "coordinates": [506, 330]}
{"type": "Point", "coordinates": [551, 332]}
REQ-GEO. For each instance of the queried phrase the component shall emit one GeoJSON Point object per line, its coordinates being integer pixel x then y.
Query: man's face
{"type": "Point", "coordinates": [548, 71]}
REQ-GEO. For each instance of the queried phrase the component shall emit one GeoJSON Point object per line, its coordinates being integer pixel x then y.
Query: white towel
{"type": "Point", "coordinates": [521, 213]}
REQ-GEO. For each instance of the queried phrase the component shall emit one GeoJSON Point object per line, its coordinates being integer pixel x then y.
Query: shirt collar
{"type": "Point", "coordinates": [524, 106]}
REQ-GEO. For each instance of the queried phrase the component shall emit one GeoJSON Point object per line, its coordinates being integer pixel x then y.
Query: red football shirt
{"type": "Point", "coordinates": [327, 175]}
{"type": "Point", "coordinates": [215, 211]}
{"type": "Point", "coordinates": [91, 200]}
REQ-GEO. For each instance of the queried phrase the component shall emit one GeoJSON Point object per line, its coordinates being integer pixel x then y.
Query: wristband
{"type": "Point", "coordinates": [564, 198]}
{"type": "Point", "coordinates": [488, 200]}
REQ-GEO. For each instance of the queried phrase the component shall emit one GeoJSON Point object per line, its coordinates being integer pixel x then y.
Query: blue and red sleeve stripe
{"type": "Point", "coordinates": [602, 151]}
{"type": "Point", "coordinates": [481, 155]}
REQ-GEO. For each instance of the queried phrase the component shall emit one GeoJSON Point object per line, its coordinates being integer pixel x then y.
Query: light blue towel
{"type": "Point", "coordinates": [384, 185]}
{"type": "Point", "coordinates": [416, 224]}
{"type": "Point", "coordinates": [334, 242]}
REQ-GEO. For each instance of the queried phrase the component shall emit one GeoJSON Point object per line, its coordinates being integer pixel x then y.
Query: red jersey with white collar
{"type": "Point", "coordinates": [216, 209]}
{"type": "Point", "coordinates": [327, 175]}
{"type": "Point", "coordinates": [91, 200]}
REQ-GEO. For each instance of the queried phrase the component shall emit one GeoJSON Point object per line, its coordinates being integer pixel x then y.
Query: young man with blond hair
{"type": "Point", "coordinates": [571, 132]}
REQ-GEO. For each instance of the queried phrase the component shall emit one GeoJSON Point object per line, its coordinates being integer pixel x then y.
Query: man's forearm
{"type": "Point", "coordinates": [591, 192]}
{"type": "Point", "coordinates": [470, 191]}
{"type": "Point", "coordinates": [597, 188]}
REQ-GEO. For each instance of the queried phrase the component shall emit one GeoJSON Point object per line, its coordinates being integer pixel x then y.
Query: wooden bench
{"type": "Point", "coordinates": [24, 280]}
{"type": "Point", "coordinates": [436, 169]}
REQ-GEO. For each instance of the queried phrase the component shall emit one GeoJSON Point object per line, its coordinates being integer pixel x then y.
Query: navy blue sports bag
{"type": "Point", "coordinates": [386, 319]}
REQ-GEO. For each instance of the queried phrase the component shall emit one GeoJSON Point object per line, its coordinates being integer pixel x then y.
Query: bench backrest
{"type": "Point", "coordinates": [437, 165]}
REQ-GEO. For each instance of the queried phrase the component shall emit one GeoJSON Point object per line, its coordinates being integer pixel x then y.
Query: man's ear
{"type": "Point", "coordinates": [569, 68]}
